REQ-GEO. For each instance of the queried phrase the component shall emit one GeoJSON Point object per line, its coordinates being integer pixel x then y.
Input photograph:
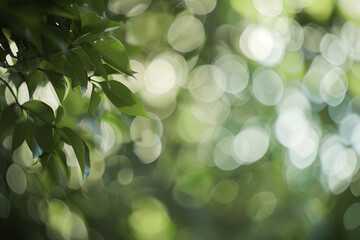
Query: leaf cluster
{"type": "Point", "coordinates": [69, 44]}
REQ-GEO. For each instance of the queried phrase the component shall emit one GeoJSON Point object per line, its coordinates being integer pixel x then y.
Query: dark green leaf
{"type": "Point", "coordinates": [79, 146]}
{"type": "Point", "coordinates": [85, 59]}
{"type": "Point", "coordinates": [95, 27]}
{"type": "Point", "coordinates": [67, 9]}
{"type": "Point", "coordinates": [41, 112]}
{"type": "Point", "coordinates": [92, 23]}
{"type": "Point", "coordinates": [95, 59]}
{"type": "Point", "coordinates": [98, 6]}
{"type": "Point", "coordinates": [8, 118]}
{"type": "Point", "coordinates": [114, 54]}
{"type": "Point", "coordinates": [60, 112]}
{"type": "Point", "coordinates": [78, 71]}
{"type": "Point", "coordinates": [123, 98]}
{"type": "Point", "coordinates": [58, 82]}
{"type": "Point", "coordinates": [18, 136]}
{"type": "Point", "coordinates": [44, 137]}
{"type": "Point", "coordinates": [31, 141]}
{"type": "Point", "coordinates": [95, 100]}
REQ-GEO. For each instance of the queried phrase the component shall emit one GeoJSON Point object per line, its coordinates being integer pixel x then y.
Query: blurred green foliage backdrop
{"type": "Point", "coordinates": [253, 128]}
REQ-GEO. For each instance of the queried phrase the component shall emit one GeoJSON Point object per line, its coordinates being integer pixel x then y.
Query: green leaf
{"type": "Point", "coordinates": [60, 112]}
{"type": "Point", "coordinates": [8, 118]}
{"type": "Point", "coordinates": [31, 141]}
{"type": "Point", "coordinates": [78, 71]}
{"type": "Point", "coordinates": [41, 112]}
{"type": "Point", "coordinates": [95, 59]}
{"type": "Point", "coordinates": [98, 6]}
{"type": "Point", "coordinates": [71, 66]}
{"type": "Point", "coordinates": [18, 136]}
{"type": "Point", "coordinates": [44, 137]}
{"type": "Point", "coordinates": [123, 98]}
{"type": "Point", "coordinates": [58, 82]}
{"type": "Point", "coordinates": [95, 27]}
{"type": "Point", "coordinates": [79, 146]}
{"type": "Point", "coordinates": [85, 59]}
{"type": "Point", "coordinates": [57, 169]}
{"type": "Point", "coordinates": [91, 23]}
{"type": "Point", "coordinates": [95, 100]}
{"type": "Point", "coordinates": [66, 9]}
{"type": "Point", "coordinates": [113, 52]}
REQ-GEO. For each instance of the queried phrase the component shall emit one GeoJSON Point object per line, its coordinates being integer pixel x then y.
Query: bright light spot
{"type": "Point", "coordinates": [304, 152]}
{"type": "Point", "coordinates": [16, 179]}
{"type": "Point", "coordinates": [333, 49]}
{"type": "Point", "coordinates": [333, 86]}
{"type": "Point", "coordinates": [293, 98]}
{"type": "Point", "coordinates": [149, 219]}
{"type": "Point", "coordinates": [296, 36]}
{"type": "Point", "coordinates": [47, 95]}
{"type": "Point", "coordinates": [351, 8]}
{"type": "Point", "coordinates": [312, 37]}
{"type": "Point", "coordinates": [222, 154]}
{"type": "Point", "coordinates": [125, 176]}
{"type": "Point", "coordinates": [236, 71]}
{"type": "Point", "coordinates": [262, 45]}
{"type": "Point", "coordinates": [201, 6]}
{"type": "Point", "coordinates": [186, 34]}
{"type": "Point", "coordinates": [346, 128]}
{"type": "Point", "coordinates": [261, 206]}
{"type": "Point", "coordinates": [24, 156]}
{"type": "Point", "coordinates": [108, 136]}
{"type": "Point", "coordinates": [345, 164]}
{"type": "Point", "coordinates": [9, 98]}
{"type": "Point", "coordinates": [338, 112]}
{"type": "Point", "coordinates": [251, 144]}
{"type": "Point", "coordinates": [267, 86]}
{"type": "Point", "coordinates": [141, 128]}
{"type": "Point", "coordinates": [23, 93]}
{"type": "Point", "coordinates": [159, 77]}
{"type": "Point", "coordinates": [269, 8]}
{"type": "Point", "coordinates": [149, 148]}
{"type": "Point", "coordinates": [214, 113]}
{"type": "Point", "coordinates": [315, 78]}
{"type": "Point", "coordinates": [352, 216]}
{"type": "Point", "coordinates": [291, 127]}
{"type": "Point", "coordinates": [355, 134]}
{"type": "Point", "coordinates": [129, 8]}
{"type": "Point", "coordinates": [350, 34]}
{"type": "Point", "coordinates": [133, 83]}
{"type": "Point", "coordinates": [71, 159]}
{"type": "Point", "coordinates": [203, 83]}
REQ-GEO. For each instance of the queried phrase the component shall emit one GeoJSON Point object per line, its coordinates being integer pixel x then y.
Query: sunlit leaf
{"type": "Point", "coordinates": [123, 98]}
{"type": "Point", "coordinates": [113, 52]}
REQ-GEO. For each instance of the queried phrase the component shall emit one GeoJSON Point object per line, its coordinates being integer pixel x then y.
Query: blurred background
{"type": "Point", "coordinates": [254, 130]}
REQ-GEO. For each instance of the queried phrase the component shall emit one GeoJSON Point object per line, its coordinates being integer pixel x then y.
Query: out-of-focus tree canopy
{"type": "Point", "coordinates": [251, 128]}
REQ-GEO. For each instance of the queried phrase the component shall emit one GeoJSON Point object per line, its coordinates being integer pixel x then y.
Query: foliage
{"type": "Point", "coordinates": [253, 128]}
{"type": "Point", "coordinates": [68, 44]}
